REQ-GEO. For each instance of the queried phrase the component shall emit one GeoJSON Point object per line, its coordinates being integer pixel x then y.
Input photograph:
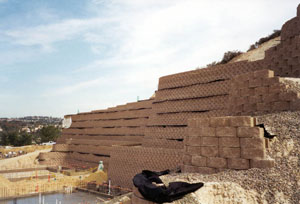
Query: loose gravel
{"type": "Point", "coordinates": [280, 184]}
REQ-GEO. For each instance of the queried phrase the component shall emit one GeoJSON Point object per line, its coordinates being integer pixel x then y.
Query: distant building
{"type": "Point", "coordinates": [25, 129]}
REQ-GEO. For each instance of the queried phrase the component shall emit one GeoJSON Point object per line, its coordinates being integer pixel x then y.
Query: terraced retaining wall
{"type": "Point", "coordinates": [160, 125]}
{"type": "Point", "coordinates": [92, 135]}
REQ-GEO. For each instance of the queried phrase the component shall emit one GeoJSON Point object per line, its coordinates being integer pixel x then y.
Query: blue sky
{"type": "Point", "coordinates": [61, 56]}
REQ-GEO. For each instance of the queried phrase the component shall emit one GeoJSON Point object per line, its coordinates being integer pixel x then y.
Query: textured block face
{"type": "Point", "coordinates": [209, 151]}
{"type": "Point", "coordinates": [194, 141]}
{"type": "Point", "coordinates": [251, 132]}
{"type": "Point", "coordinates": [253, 83]}
{"type": "Point", "coordinates": [199, 161]}
{"type": "Point", "coordinates": [226, 131]}
{"type": "Point", "coordinates": [210, 141]}
{"type": "Point", "coordinates": [264, 74]}
{"type": "Point", "coordinates": [253, 143]}
{"type": "Point", "coordinates": [281, 106]}
{"type": "Point", "coordinates": [242, 121]}
{"type": "Point", "coordinates": [262, 163]}
{"type": "Point", "coordinates": [230, 152]}
{"type": "Point", "coordinates": [203, 122]}
{"type": "Point", "coordinates": [219, 122]}
{"type": "Point", "coordinates": [232, 142]}
{"type": "Point", "coordinates": [208, 132]}
{"type": "Point", "coordinates": [238, 163]}
{"type": "Point", "coordinates": [194, 132]}
{"type": "Point", "coordinates": [194, 150]}
{"type": "Point", "coordinates": [253, 153]}
{"type": "Point", "coordinates": [187, 159]}
{"type": "Point", "coordinates": [229, 142]}
{"type": "Point", "coordinates": [216, 162]}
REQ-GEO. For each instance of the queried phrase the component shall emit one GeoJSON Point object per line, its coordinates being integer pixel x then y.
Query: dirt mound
{"type": "Point", "coordinates": [20, 162]}
{"type": "Point", "coordinates": [280, 184]}
{"type": "Point", "coordinates": [98, 176]}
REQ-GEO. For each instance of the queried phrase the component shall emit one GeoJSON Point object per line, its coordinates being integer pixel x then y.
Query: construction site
{"type": "Point", "coordinates": [206, 122]}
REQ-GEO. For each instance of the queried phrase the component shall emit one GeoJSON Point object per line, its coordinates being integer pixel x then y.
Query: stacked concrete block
{"type": "Point", "coordinates": [284, 59]}
{"type": "Point", "coordinates": [94, 133]}
{"type": "Point", "coordinates": [126, 162]}
{"type": "Point", "coordinates": [198, 93]}
{"type": "Point", "coordinates": [292, 27]}
{"type": "Point", "coordinates": [218, 143]}
{"type": "Point", "coordinates": [161, 125]}
{"type": "Point", "coordinates": [260, 92]}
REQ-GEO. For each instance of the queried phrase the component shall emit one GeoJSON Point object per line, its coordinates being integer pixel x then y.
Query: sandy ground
{"type": "Point", "coordinates": [257, 54]}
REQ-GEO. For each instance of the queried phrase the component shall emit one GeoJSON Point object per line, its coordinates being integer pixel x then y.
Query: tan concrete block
{"type": "Point", "coordinates": [239, 101]}
{"type": "Point", "coordinates": [247, 92]}
{"type": "Point", "coordinates": [255, 82]}
{"type": "Point", "coordinates": [226, 131]}
{"type": "Point", "coordinates": [271, 81]}
{"type": "Point", "coordinates": [238, 163]}
{"type": "Point", "coordinates": [216, 162]}
{"type": "Point", "coordinates": [229, 142]}
{"type": "Point", "coordinates": [253, 143]}
{"type": "Point", "coordinates": [277, 88]}
{"type": "Point", "coordinates": [249, 108]}
{"type": "Point", "coordinates": [253, 153]}
{"type": "Point", "coordinates": [288, 96]}
{"type": "Point", "coordinates": [203, 122]}
{"type": "Point", "coordinates": [242, 121]}
{"type": "Point", "coordinates": [230, 152]}
{"type": "Point", "coordinates": [208, 132]}
{"type": "Point", "coordinates": [271, 97]}
{"type": "Point", "coordinates": [194, 132]}
{"type": "Point", "coordinates": [263, 106]}
{"type": "Point", "coordinates": [219, 121]}
{"type": "Point", "coordinates": [295, 105]}
{"type": "Point", "coordinates": [209, 151]}
{"type": "Point", "coordinates": [189, 169]}
{"type": "Point", "coordinates": [194, 141]}
{"type": "Point", "coordinates": [206, 170]}
{"type": "Point", "coordinates": [199, 161]}
{"type": "Point", "coordinates": [265, 73]}
{"type": "Point", "coordinates": [253, 132]}
{"type": "Point", "coordinates": [281, 106]}
{"type": "Point", "coordinates": [192, 123]}
{"type": "Point", "coordinates": [255, 99]}
{"type": "Point", "coordinates": [262, 163]}
{"type": "Point", "coordinates": [210, 141]}
{"type": "Point", "coordinates": [234, 92]}
{"type": "Point", "coordinates": [187, 159]}
{"type": "Point", "coordinates": [194, 150]}
{"type": "Point", "coordinates": [261, 90]}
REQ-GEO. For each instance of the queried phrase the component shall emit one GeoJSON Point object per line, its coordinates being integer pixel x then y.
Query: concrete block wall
{"type": "Point", "coordinates": [218, 143]}
{"type": "Point", "coordinates": [197, 93]}
{"type": "Point", "coordinates": [126, 162]}
{"type": "Point", "coordinates": [284, 59]}
{"type": "Point", "coordinates": [261, 92]}
{"type": "Point", "coordinates": [161, 124]}
{"type": "Point", "coordinates": [92, 134]}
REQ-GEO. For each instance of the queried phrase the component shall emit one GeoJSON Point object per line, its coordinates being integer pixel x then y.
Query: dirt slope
{"type": "Point", "coordinates": [257, 54]}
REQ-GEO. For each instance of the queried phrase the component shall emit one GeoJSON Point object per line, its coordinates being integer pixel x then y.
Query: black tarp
{"type": "Point", "coordinates": [152, 188]}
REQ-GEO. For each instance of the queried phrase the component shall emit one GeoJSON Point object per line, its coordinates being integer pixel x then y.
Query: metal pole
{"type": "Point", "coordinates": [109, 187]}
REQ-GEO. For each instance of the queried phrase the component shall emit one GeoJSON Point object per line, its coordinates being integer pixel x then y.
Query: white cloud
{"type": "Point", "coordinates": [45, 35]}
{"type": "Point", "coordinates": [139, 41]}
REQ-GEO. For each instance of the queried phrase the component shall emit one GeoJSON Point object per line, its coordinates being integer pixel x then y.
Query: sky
{"type": "Point", "coordinates": [59, 57]}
